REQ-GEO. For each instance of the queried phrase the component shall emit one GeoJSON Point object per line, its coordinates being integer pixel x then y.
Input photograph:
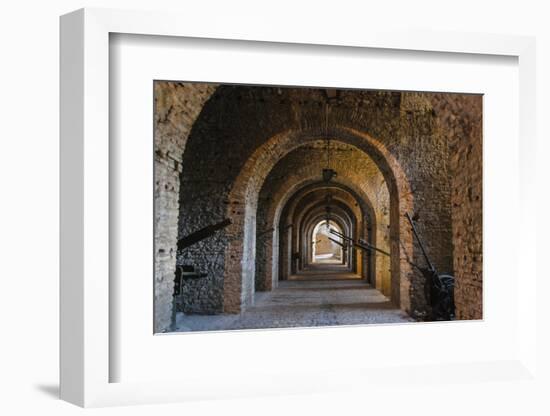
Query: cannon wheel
{"type": "Point", "coordinates": [446, 303]}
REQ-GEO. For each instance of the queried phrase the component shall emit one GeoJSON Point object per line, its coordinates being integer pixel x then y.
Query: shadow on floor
{"type": "Point", "coordinates": [51, 390]}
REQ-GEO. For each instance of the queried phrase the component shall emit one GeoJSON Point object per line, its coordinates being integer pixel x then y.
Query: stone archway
{"type": "Point", "coordinates": [271, 219]}
{"type": "Point", "coordinates": [296, 203]}
{"type": "Point", "coordinates": [239, 275]}
{"type": "Point", "coordinates": [316, 213]}
{"type": "Point", "coordinates": [323, 249]}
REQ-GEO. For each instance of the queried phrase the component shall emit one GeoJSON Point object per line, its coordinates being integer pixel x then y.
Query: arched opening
{"type": "Point", "coordinates": [340, 224]}
{"type": "Point", "coordinates": [325, 247]}
{"type": "Point", "coordinates": [261, 163]}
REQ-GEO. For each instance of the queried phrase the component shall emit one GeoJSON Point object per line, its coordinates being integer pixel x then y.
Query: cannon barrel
{"type": "Point", "coordinates": [430, 265]}
{"type": "Point", "coordinates": [361, 244]}
{"type": "Point", "coordinates": [201, 234]}
{"type": "Point", "coordinates": [369, 245]}
{"type": "Point", "coordinates": [440, 286]}
{"type": "Point", "coordinates": [339, 234]}
{"type": "Point", "coordinates": [344, 246]}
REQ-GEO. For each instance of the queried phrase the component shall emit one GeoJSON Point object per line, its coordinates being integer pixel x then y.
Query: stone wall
{"type": "Point", "coordinates": [429, 172]}
{"type": "Point", "coordinates": [177, 106]}
{"type": "Point", "coordinates": [460, 118]}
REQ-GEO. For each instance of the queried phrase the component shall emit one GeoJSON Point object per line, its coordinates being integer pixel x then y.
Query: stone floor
{"type": "Point", "coordinates": [322, 296]}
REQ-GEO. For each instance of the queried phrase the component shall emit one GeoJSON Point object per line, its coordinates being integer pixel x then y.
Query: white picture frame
{"type": "Point", "coordinates": [86, 355]}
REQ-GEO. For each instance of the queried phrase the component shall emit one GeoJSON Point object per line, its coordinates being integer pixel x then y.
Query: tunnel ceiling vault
{"type": "Point", "coordinates": [339, 209]}
{"type": "Point", "coordinates": [303, 166]}
{"type": "Point", "coordinates": [319, 206]}
{"type": "Point", "coordinates": [234, 152]}
{"type": "Point", "coordinates": [318, 190]}
{"type": "Point", "coordinates": [311, 193]}
{"type": "Point", "coordinates": [300, 202]}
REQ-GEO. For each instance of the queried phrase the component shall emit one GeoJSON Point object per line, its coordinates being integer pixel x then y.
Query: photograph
{"type": "Point", "coordinates": [286, 206]}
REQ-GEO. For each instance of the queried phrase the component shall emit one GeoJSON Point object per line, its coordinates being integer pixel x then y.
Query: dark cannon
{"type": "Point", "coordinates": [201, 234]}
{"type": "Point", "coordinates": [186, 271]}
{"type": "Point", "coordinates": [439, 288]}
{"type": "Point", "coordinates": [360, 244]}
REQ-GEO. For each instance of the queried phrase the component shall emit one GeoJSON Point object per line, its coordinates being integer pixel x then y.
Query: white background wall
{"type": "Point", "coordinates": [29, 82]}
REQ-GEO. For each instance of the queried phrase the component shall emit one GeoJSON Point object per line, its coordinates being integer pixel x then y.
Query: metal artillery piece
{"type": "Point", "coordinates": [344, 246]}
{"type": "Point", "coordinates": [360, 244]}
{"type": "Point", "coordinates": [440, 287]}
{"type": "Point", "coordinates": [186, 271]}
{"type": "Point", "coordinates": [201, 234]}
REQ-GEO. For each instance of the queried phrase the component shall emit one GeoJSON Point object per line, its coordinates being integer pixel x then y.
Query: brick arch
{"type": "Point", "coordinates": [341, 211]}
{"type": "Point", "coordinates": [318, 186]}
{"type": "Point", "coordinates": [274, 211]}
{"type": "Point", "coordinates": [367, 216]}
{"type": "Point", "coordinates": [239, 275]}
{"type": "Point", "coordinates": [306, 204]}
{"type": "Point", "coordinates": [270, 255]}
{"type": "Point", "coordinates": [315, 222]}
{"type": "Point", "coordinates": [289, 177]}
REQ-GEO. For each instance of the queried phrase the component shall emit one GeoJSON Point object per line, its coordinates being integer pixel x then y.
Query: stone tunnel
{"type": "Point", "coordinates": [303, 177]}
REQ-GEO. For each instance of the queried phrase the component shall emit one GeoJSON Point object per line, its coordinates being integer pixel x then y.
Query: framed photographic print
{"type": "Point", "coordinates": [245, 214]}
